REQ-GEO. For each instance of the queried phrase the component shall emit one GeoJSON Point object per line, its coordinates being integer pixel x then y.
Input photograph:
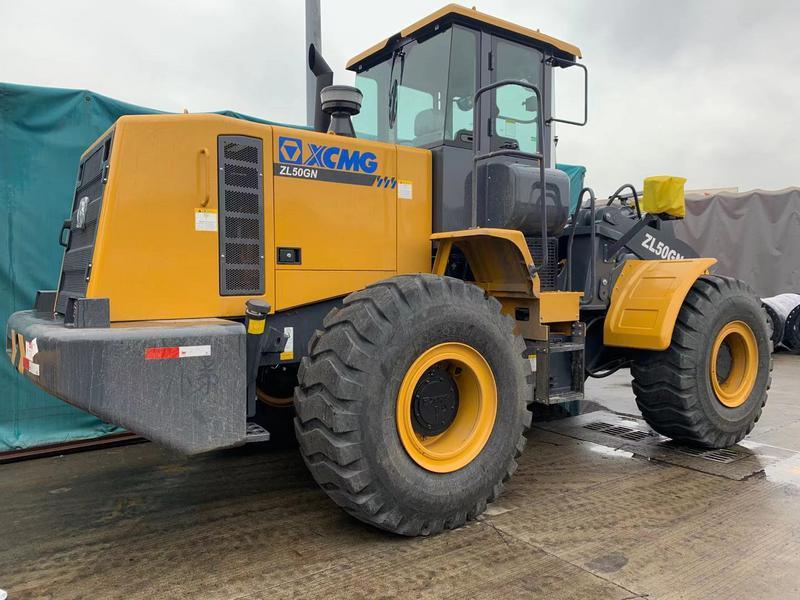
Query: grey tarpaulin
{"type": "Point", "coordinates": [754, 235]}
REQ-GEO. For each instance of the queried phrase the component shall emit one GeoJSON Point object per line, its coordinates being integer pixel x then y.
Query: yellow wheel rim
{"type": "Point", "coordinates": [733, 388]}
{"type": "Point", "coordinates": [470, 428]}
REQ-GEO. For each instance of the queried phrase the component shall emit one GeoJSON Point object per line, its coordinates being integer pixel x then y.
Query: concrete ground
{"type": "Point", "coordinates": [581, 519]}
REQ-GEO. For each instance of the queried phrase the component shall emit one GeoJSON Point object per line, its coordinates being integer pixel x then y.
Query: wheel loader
{"type": "Point", "coordinates": [394, 287]}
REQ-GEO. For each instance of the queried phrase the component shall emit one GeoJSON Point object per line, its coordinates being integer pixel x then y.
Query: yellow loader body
{"type": "Point", "coordinates": [158, 232]}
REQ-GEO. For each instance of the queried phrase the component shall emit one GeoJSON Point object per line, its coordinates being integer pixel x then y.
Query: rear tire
{"type": "Point", "coordinates": [684, 394]}
{"type": "Point", "coordinates": [353, 393]}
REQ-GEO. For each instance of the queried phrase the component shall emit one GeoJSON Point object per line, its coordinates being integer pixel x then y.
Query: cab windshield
{"type": "Point", "coordinates": [422, 96]}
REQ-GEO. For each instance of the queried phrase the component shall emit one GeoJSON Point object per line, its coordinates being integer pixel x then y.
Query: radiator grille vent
{"type": "Point", "coordinates": [86, 203]}
{"type": "Point", "coordinates": [548, 275]}
{"type": "Point", "coordinates": [242, 152]}
{"type": "Point", "coordinates": [241, 216]}
{"type": "Point", "coordinates": [241, 202]}
{"type": "Point", "coordinates": [240, 176]}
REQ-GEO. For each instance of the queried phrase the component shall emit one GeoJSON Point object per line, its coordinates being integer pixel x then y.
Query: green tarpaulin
{"type": "Point", "coordinates": [43, 132]}
{"type": "Point", "coordinates": [576, 174]}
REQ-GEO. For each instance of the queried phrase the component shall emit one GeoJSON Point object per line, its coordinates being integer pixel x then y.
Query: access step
{"type": "Point", "coordinates": [559, 365]}
{"type": "Point", "coordinates": [562, 397]}
{"type": "Point", "coordinates": [554, 347]}
{"type": "Point", "coordinates": [255, 433]}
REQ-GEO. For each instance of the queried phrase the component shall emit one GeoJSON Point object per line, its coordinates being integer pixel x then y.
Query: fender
{"type": "Point", "coordinates": [503, 266]}
{"type": "Point", "coordinates": [646, 300]}
{"type": "Point", "coordinates": [499, 258]}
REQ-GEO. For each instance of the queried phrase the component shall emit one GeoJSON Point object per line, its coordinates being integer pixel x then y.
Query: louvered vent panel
{"type": "Point", "coordinates": [241, 216]}
{"type": "Point", "coordinates": [86, 203]}
{"type": "Point", "coordinates": [549, 274]}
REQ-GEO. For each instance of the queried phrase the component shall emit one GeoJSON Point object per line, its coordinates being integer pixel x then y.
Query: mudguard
{"type": "Point", "coordinates": [498, 257]}
{"type": "Point", "coordinates": [646, 300]}
{"type": "Point", "coordinates": [502, 265]}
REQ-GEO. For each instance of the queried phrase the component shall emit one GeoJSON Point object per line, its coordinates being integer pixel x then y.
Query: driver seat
{"type": "Point", "coordinates": [429, 127]}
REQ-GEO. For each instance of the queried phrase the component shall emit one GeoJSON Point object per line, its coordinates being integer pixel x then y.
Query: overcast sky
{"type": "Point", "coordinates": [705, 89]}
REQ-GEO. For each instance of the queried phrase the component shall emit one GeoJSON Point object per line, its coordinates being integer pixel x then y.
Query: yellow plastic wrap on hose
{"type": "Point", "coordinates": [664, 194]}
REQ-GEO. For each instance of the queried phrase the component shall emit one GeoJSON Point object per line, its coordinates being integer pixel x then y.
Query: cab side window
{"type": "Point", "coordinates": [420, 71]}
{"type": "Point", "coordinates": [461, 84]}
{"type": "Point", "coordinates": [515, 116]}
{"type": "Point", "coordinates": [371, 122]}
{"type": "Point", "coordinates": [365, 123]}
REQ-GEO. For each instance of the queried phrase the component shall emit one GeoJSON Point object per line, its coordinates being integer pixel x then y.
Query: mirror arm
{"type": "Point", "coordinates": [553, 60]}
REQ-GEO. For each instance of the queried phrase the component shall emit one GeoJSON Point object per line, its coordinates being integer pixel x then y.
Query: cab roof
{"type": "Point", "coordinates": [454, 13]}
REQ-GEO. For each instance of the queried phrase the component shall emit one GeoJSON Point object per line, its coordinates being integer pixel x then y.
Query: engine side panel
{"type": "Point", "coordinates": [157, 248]}
{"type": "Point", "coordinates": [355, 210]}
{"type": "Point", "coordinates": [349, 211]}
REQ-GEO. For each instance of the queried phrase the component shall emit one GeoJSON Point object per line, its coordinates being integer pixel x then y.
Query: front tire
{"type": "Point", "coordinates": [709, 387]}
{"type": "Point", "coordinates": [412, 403]}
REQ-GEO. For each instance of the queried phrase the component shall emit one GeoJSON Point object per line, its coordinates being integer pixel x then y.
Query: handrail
{"type": "Point", "coordinates": [539, 155]}
{"type": "Point", "coordinates": [592, 240]}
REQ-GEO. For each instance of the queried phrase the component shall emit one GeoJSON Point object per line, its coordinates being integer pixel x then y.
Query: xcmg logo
{"type": "Point", "coordinates": [294, 152]}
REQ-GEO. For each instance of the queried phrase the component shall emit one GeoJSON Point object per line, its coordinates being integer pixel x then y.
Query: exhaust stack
{"type": "Point", "coordinates": [324, 76]}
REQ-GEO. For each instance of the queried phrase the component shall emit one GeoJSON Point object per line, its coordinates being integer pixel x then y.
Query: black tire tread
{"type": "Point", "coordinates": [327, 420]}
{"type": "Point", "coordinates": [664, 382]}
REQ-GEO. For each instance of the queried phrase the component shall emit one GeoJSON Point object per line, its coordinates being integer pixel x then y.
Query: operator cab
{"type": "Point", "coordinates": [419, 88]}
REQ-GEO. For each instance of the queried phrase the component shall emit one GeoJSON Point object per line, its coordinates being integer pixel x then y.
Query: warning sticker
{"type": "Point", "coordinates": [188, 351]}
{"type": "Point", "coordinates": [205, 219]}
{"type": "Point", "coordinates": [288, 350]}
{"type": "Point", "coordinates": [31, 349]}
{"type": "Point", "coordinates": [405, 189]}
{"type": "Point", "coordinates": [166, 352]}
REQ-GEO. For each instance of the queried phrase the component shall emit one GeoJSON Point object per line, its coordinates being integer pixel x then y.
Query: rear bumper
{"type": "Point", "coordinates": [178, 383]}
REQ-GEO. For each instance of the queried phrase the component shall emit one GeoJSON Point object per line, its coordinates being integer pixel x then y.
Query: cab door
{"type": "Point", "coordinates": [513, 112]}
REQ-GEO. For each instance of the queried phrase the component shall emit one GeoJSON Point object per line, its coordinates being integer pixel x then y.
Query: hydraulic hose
{"type": "Point", "coordinates": [593, 212]}
{"type": "Point", "coordinates": [616, 195]}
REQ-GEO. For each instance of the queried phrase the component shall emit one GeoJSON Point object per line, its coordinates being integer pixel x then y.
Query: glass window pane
{"type": "Point", "coordinates": [411, 103]}
{"type": "Point", "coordinates": [365, 122]}
{"type": "Point", "coordinates": [372, 121]}
{"type": "Point", "coordinates": [515, 123]}
{"type": "Point", "coordinates": [461, 85]}
{"type": "Point", "coordinates": [422, 86]}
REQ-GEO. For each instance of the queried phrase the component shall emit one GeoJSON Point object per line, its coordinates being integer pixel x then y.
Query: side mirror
{"type": "Point", "coordinates": [464, 103]}
{"type": "Point", "coordinates": [565, 64]}
{"type": "Point", "coordinates": [531, 104]}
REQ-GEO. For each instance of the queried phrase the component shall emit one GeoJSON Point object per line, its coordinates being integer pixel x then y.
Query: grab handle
{"type": "Point", "coordinates": [66, 226]}
{"type": "Point", "coordinates": [205, 184]}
